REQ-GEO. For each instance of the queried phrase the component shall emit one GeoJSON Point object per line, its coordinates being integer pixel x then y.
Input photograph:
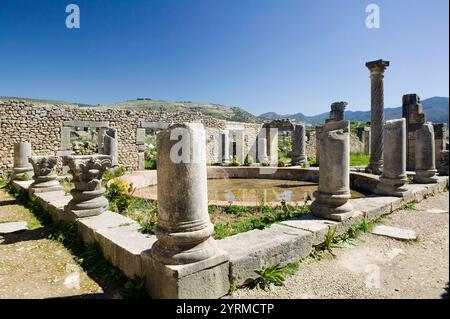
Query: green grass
{"type": "Point", "coordinates": [359, 159]}
{"type": "Point", "coordinates": [410, 206]}
{"type": "Point", "coordinates": [273, 276]}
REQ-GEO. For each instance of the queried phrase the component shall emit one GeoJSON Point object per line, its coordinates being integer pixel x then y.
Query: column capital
{"type": "Point", "coordinates": [339, 106]}
{"type": "Point", "coordinates": [378, 66]}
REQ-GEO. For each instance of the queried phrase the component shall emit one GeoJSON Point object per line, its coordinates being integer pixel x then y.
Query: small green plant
{"type": "Point", "coordinates": [3, 182]}
{"type": "Point", "coordinates": [273, 276]}
{"type": "Point", "coordinates": [25, 177]}
{"type": "Point", "coordinates": [114, 173]}
{"type": "Point", "coordinates": [410, 206]}
{"type": "Point", "coordinates": [329, 239]}
{"type": "Point", "coordinates": [67, 184]}
{"type": "Point", "coordinates": [265, 163]}
{"type": "Point", "coordinates": [120, 195]}
{"type": "Point", "coordinates": [248, 160]}
{"type": "Point", "coordinates": [234, 161]}
{"type": "Point", "coordinates": [233, 288]}
{"type": "Point", "coordinates": [282, 162]}
{"type": "Point", "coordinates": [135, 289]}
{"type": "Point", "coordinates": [269, 277]}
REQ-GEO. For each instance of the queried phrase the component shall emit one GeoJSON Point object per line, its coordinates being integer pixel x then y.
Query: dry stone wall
{"type": "Point", "coordinates": [43, 125]}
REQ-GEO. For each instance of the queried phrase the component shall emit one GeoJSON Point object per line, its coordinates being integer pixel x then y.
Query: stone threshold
{"type": "Point", "coordinates": [126, 247]}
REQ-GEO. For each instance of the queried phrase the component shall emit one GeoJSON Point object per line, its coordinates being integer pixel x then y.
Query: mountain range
{"type": "Point", "coordinates": [436, 109]}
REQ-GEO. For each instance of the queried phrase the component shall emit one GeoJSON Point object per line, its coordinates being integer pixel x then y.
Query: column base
{"type": "Point", "coordinates": [375, 169]}
{"type": "Point", "coordinates": [20, 172]}
{"type": "Point", "coordinates": [333, 207]}
{"type": "Point", "coordinates": [425, 177]}
{"type": "Point", "coordinates": [298, 161]}
{"type": "Point", "coordinates": [390, 190]}
{"type": "Point", "coordinates": [206, 279]}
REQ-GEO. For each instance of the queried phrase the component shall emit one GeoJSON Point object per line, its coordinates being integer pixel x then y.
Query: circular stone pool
{"type": "Point", "coordinates": [251, 191]}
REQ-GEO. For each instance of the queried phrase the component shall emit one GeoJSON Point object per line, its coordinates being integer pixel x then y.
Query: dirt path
{"type": "Point", "coordinates": [34, 266]}
{"type": "Point", "coordinates": [380, 267]}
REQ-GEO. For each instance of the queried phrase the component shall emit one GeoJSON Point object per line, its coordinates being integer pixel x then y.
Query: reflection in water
{"type": "Point", "coordinates": [252, 190]}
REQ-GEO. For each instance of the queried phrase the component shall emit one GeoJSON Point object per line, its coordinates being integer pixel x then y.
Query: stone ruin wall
{"type": "Point", "coordinates": [41, 126]}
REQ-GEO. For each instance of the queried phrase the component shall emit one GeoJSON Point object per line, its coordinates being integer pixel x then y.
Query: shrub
{"type": "Point", "coordinates": [114, 173]}
{"type": "Point", "coordinates": [248, 160]}
{"type": "Point", "coordinates": [120, 195]}
{"type": "Point", "coordinates": [234, 161]}
{"type": "Point", "coordinates": [282, 162]}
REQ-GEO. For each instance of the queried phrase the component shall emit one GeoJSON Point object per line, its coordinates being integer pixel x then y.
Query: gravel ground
{"type": "Point", "coordinates": [34, 266]}
{"type": "Point", "coordinates": [379, 267]}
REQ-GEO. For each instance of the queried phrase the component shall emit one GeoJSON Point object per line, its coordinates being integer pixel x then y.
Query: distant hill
{"type": "Point", "coordinates": [436, 109]}
{"type": "Point", "coordinates": [229, 113]}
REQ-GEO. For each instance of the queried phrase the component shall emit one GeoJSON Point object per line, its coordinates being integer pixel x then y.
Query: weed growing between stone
{"type": "Point", "coordinates": [273, 276]}
{"type": "Point", "coordinates": [88, 256]}
{"type": "Point", "coordinates": [410, 206]}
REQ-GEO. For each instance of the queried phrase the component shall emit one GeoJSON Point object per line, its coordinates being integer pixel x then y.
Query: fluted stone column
{"type": "Point", "coordinates": [425, 168]}
{"type": "Point", "coordinates": [331, 198]}
{"type": "Point", "coordinates": [45, 179]}
{"type": "Point", "coordinates": [299, 145]}
{"type": "Point", "coordinates": [87, 172]}
{"type": "Point", "coordinates": [443, 168]}
{"type": "Point", "coordinates": [22, 168]}
{"type": "Point", "coordinates": [185, 261]}
{"type": "Point", "coordinates": [376, 69]}
{"type": "Point", "coordinates": [394, 159]}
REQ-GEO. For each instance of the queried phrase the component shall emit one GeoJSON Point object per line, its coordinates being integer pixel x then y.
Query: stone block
{"type": "Point", "coordinates": [206, 279]}
{"type": "Point", "coordinates": [317, 226]}
{"type": "Point", "coordinates": [7, 228]}
{"type": "Point", "coordinates": [394, 232]}
{"type": "Point", "coordinates": [252, 250]}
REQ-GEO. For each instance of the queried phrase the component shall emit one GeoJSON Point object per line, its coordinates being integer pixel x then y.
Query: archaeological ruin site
{"type": "Point", "coordinates": [193, 206]}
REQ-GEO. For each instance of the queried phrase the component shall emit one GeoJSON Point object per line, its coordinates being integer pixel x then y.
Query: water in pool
{"type": "Point", "coordinates": [251, 190]}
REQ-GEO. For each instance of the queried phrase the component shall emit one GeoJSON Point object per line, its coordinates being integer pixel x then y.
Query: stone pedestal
{"type": "Point", "coordinates": [331, 199]}
{"type": "Point", "coordinates": [443, 168]}
{"type": "Point", "coordinates": [376, 69]}
{"type": "Point", "coordinates": [424, 155]}
{"type": "Point", "coordinates": [185, 261]}
{"type": "Point", "coordinates": [45, 179]}
{"type": "Point", "coordinates": [22, 168]}
{"type": "Point", "coordinates": [299, 145]}
{"type": "Point", "coordinates": [394, 158]}
{"type": "Point", "coordinates": [337, 111]}
{"type": "Point", "coordinates": [87, 172]}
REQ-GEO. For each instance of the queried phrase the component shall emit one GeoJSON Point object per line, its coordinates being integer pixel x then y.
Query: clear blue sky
{"type": "Point", "coordinates": [285, 56]}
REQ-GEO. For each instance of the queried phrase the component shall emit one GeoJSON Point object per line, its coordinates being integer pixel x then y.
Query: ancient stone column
{"type": "Point", "coordinates": [439, 143]}
{"type": "Point", "coordinates": [443, 168]}
{"type": "Point", "coordinates": [272, 145]}
{"type": "Point", "coordinates": [425, 165]}
{"type": "Point", "coordinates": [240, 146]}
{"type": "Point", "coordinates": [262, 150]}
{"type": "Point", "coordinates": [394, 159]}
{"type": "Point", "coordinates": [225, 147]}
{"type": "Point", "coordinates": [22, 168]}
{"type": "Point", "coordinates": [337, 111]}
{"type": "Point", "coordinates": [45, 179]}
{"type": "Point", "coordinates": [87, 172]}
{"type": "Point", "coordinates": [319, 130]}
{"type": "Point", "coordinates": [331, 198]}
{"type": "Point", "coordinates": [412, 111]}
{"type": "Point", "coordinates": [376, 69]}
{"type": "Point", "coordinates": [299, 145]}
{"type": "Point", "coordinates": [110, 146]}
{"type": "Point", "coordinates": [185, 260]}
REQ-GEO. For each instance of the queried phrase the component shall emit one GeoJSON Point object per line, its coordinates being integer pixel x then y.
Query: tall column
{"type": "Point", "coordinates": [22, 168]}
{"type": "Point", "coordinates": [319, 130]}
{"type": "Point", "coordinates": [331, 198]}
{"type": "Point", "coordinates": [272, 145]}
{"type": "Point", "coordinates": [225, 147]}
{"type": "Point", "coordinates": [394, 158]}
{"type": "Point", "coordinates": [376, 69]}
{"type": "Point", "coordinates": [425, 168]}
{"type": "Point", "coordinates": [299, 145]}
{"type": "Point", "coordinates": [87, 172]}
{"type": "Point", "coordinates": [240, 146]}
{"type": "Point", "coordinates": [185, 261]}
{"type": "Point", "coordinates": [412, 111]}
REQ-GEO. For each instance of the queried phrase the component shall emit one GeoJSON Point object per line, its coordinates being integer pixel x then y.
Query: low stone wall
{"type": "Point", "coordinates": [44, 126]}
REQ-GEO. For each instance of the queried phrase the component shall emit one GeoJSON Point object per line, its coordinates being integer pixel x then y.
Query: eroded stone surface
{"type": "Point", "coordinates": [394, 232]}
{"type": "Point", "coordinates": [7, 228]}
